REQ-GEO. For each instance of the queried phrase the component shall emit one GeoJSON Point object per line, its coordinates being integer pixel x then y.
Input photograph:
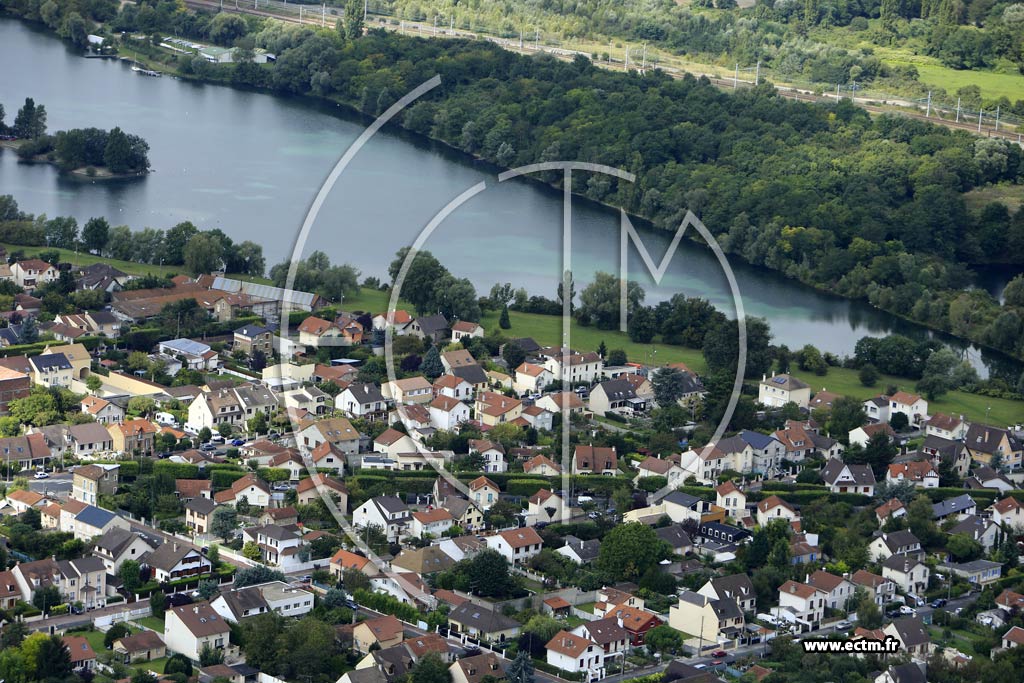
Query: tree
{"type": "Point", "coordinates": [225, 519]}
{"type": "Point", "coordinates": [664, 639]}
{"type": "Point", "coordinates": [93, 383]}
{"type": "Point", "coordinates": [432, 368]}
{"type": "Point", "coordinates": [126, 153]}
{"type": "Point", "coordinates": [203, 254]}
{"type": "Point", "coordinates": [258, 424]}
{"type": "Point", "coordinates": [29, 331]}
{"type": "Point", "coordinates": [115, 633]}
{"type": "Point", "coordinates": [251, 550]}
{"type": "Point", "coordinates": [669, 384]}
{"type": "Point", "coordinates": [868, 613]}
{"type": "Point", "coordinates": [158, 604]}
{"type": "Point", "coordinates": [721, 347]}
{"type": "Point", "coordinates": [809, 358]}
{"type": "Point", "coordinates": [95, 235]}
{"type": "Point", "coordinates": [207, 589]}
{"type": "Point", "coordinates": [643, 325]}
{"type": "Point", "coordinates": [503, 322]}
{"type": "Point", "coordinates": [513, 355]}
{"type": "Point", "coordinates": [53, 659]}
{"type": "Point", "coordinates": [30, 121]}
{"type": "Point", "coordinates": [130, 574]}
{"type": "Point", "coordinates": [599, 301]}
{"type": "Point", "coordinates": [430, 669]}
{"type": "Point", "coordinates": [629, 550]}
{"type": "Point", "coordinates": [61, 232]}
{"type": "Point", "coordinates": [210, 655]}
{"type": "Point", "coordinates": [846, 414]}
{"type": "Point", "coordinates": [258, 574]}
{"type": "Point", "coordinates": [489, 575]}
{"type": "Point", "coordinates": [868, 375]}
{"type": "Point", "coordinates": [455, 298]}
{"type": "Point", "coordinates": [521, 669]}
{"type": "Point", "coordinates": [353, 20]}
{"type": "Point", "coordinates": [205, 434]}
{"type": "Point", "coordinates": [919, 518]}
{"type": "Point", "coordinates": [963, 548]}
{"type": "Point", "coordinates": [617, 357]}
{"type": "Point", "coordinates": [46, 598]}
{"type": "Point", "coordinates": [178, 664]}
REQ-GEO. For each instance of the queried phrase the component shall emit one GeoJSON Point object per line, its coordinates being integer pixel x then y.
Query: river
{"type": "Point", "coordinates": [250, 164]}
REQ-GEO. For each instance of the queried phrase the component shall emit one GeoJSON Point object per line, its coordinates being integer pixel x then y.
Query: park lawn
{"type": "Point", "coordinates": [1000, 411]}
{"type": "Point", "coordinates": [547, 331]}
{"type": "Point", "coordinates": [151, 623]}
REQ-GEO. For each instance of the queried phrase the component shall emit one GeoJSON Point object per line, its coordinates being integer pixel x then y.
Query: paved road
{"type": "Point", "coordinates": [58, 485]}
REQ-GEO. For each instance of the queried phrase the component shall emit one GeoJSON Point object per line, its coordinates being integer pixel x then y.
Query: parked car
{"type": "Point", "coordinates": [351, 604]}
{"type": "Point", "coordinates": [843, 625]}
{"type": "Point", "coordinates": [41, 475]}
{"type": "Point", "coordinates": [938, 602]}
{"type": "Point", "coordinates": [216, 438]}
{"type": "Point", "coordinates": [907, 610]}
{"type": "Point", "coordinates": [208, 447]}
{"type": "Point", "coordinates": [238, 442]}
{"type": "Point", "coordinates": [717, 654]}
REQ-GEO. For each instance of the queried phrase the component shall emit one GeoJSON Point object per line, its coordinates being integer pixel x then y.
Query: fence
{"type": "Point", "coordinates": [107, 620]}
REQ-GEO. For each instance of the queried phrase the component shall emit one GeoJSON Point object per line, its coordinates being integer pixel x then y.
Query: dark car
{"type": "Point", "coordinates": [351, 604]}
{"type": "Point", "coordinates": [938, 602]}
{"type": "Point", "coordinates": [178, 599]}
{"type": "Point", "coordinates": [238, 442]}
{"type": "Point", "coordinates": [718, 654]}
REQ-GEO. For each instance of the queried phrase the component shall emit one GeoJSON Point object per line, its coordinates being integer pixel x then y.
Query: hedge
{"type": "Point", "coordinates": [555, 671]}
{"type": "Point", "coordinates": [524, 487]}
{"type": "Point", "coordinates": [178, 470]}
{"type": "Point", "coordinates": [224, 479]}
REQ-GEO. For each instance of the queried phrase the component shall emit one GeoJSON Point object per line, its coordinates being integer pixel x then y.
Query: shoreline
{"type": "Point", "coordinates": [944, 335]}
{"type": "Point", "coordinates": [81, 173]}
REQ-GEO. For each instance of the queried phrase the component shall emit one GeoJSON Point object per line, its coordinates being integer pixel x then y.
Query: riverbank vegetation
{"type": "Point", "coordinates": [91, 151]}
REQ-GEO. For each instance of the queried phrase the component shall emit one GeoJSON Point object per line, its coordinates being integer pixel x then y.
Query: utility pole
{"type": "Point", "coordinates": [644, 63]}
{"type": "Point", "coordinates": [323, 16]}
{"type": "Point", "coordinates": [757, 73]}
{"type": "Point", "coordinates": [366, 10]}
{"type": "Point", "coordinates": [979, 119]}
{"type": "Point", "coordinates": [997, 118]}
{"type": "Point", "coordinates": [736, 76]}
{"type": "Point", "coordinates": [928, 111]}
{"type": "Point", "coordinates": [435, 24]}
{"type": "Point", "coordinates": [958, 110]}
{"type": "Point", "coordinates": [627, 58]}
{"type": "Point", "coordinates": [837, 92]}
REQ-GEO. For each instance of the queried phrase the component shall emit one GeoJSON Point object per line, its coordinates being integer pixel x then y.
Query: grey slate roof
{"type": "Point", "coordinates": [952, 506]}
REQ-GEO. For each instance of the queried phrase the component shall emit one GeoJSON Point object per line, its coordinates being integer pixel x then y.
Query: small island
{"type": "Point", "coordinates": [86, 152]}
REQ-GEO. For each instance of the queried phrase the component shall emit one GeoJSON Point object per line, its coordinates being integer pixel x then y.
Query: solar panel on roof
{"type": "Point", "coordinates": [779, 380]}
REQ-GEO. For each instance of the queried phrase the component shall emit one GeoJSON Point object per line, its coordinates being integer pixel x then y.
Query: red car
{"type": "Point", "coordinates": [719, 653]}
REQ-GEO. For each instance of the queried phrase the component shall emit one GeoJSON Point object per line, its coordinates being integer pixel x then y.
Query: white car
{"type": "Point", "coordinates": [906, 609]}
{"type": "Point", "coordinates": [42, 475]}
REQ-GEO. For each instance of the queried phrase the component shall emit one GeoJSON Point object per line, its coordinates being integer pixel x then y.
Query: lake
{"type": "Point", "coordinates": [250, 164]}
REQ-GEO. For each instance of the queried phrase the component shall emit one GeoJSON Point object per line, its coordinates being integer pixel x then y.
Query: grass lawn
{"type": "Point", "coordinates": [586, 607]}
{"type": "Point", "coordinates": [531, 585]}
{"type": "Point", "coordinates": [156, 665]}
{"type": "Point", "coordinates": [972, 406]}
{"type": "Point", "coordinates": [95, 639]}
{"type": "Point", "coordinates": [1010, 195]}
{"type": "Point", "coordinates": [151, 623]}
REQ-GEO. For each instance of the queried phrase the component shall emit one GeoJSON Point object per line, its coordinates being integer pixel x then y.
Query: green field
{"type": "Point", "coordinates": [78, 258]}
{"type": "Point", "coordinates": [1010, 195]}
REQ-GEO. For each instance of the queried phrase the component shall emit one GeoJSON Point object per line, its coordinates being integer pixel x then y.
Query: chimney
{"type": "Point", "coordinates": [195, 609]}
{"type": "Point", "coordinates": [174, 547]}
{"type": "Point", "coordinates": [792, 589]}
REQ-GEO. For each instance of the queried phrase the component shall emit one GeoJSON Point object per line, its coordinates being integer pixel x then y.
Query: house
{"type": "Point", "coordinates": [885, 545]}
{"type": "Point", "coordinates": [383, 632]}
{"type": "Point", "coordinates": [984, 531]}
{"type": "Point", "coordinates": [802, 605]}
{"type": "Point", "coordinates": [531, 378]}
{"type": "Point", "coordinates": [432, 327]}
{"type": "Point", "coordinates": [463, 330]}
{"type": "Point", "coordinates": [314, 487]}
{"type": "Point", "coordinates": [1008, 513]}
{"type": "Point", "coordinates": [538, 418]}
{"type": "Point", "coordinates": [957, 508]}
{"type": "Point", "coordinates": [656, 467]}
{"type": "Point", "coordinates": [545, 507]}
{"type": "Point", "coordinates": [336, 430]}
{"type": "Point", "coordinates": [52, 370]}
{"type": "Point", "coordinates": [476, 668]}
{"type": "Point", "coordinates": [710, 619]}
{"type": "Point", "coordinates": [199, 515]}
{"type": "Point", "coordinates": [594, 460]}
{"type": "Point", "coordinates": [466, 515]}
{"type": "Point", "coordinates": [984, 477]}
{"type": "Point", "coordinates": [278, 545]}
{"type": "Point", "coordinates": [621, 396]}
{"type": "Point", "coordinates": [479, 622]}
{"type": "Point", "coordinates": [676, 537]}
{"type": "Point", "coordinates": [133, 436]}
{"type": "Point", "coordinates": [882, 589]}
{"type": "Point", "coordinates": [305, 401]}
{"type": "Point", "coordinates": [284, 516]}
{"type": "Point", "coordinates": [143, 646]}
{"type": "Point", "coordinates": [912, 406]}
{"type": "Point", "coordinates": [410, 390]}
{"type": "Point", "coordinates": [903, 673]}
{"type": "Point", "coordinates": [945, 426]}
{"type": "Point", "coordinates": [91, 481]}
{"type": "Point", "coordinates": [430, 523]}
{"type": "Point", "coordinates": [119, 545]}
{"type": "Point", "coordinates": [173, 560]}
{"type": "Point", "coordinates": [13, 385]}
{"type": "Point", "coordinates": [251, 338]}
{"type": "Point", "coordinates": [576, 654]}
{"type": "Point", "coordinates": [921, 473]}
{"type": "Point", "coordinates": [344, 560]}
{"type": "Point", "coordinates": [429, 559]}
{"type": "Point", "coordinates": [29, 451]}
{"type": "Point", "coordinates": [190, 628]}
{"type": "Point", "coordinates": [31, 273]}
{"type": "Point", "coordinates": [314, 332]}
{"type": "Point", "coordinates": [21, 500]}
{"type": "Point", "coordinates": [447, 413]}
{"type": "Point", "coordinates": [360, 399]}
{"type": "Point", "coordinates": [1013, 638]}
{"type": "Point", "coordinates": [79, 580]}
{"type": "Point", "coordinates": [492, 408]}
{"type": "Point", "coordinates": [982, 442]}
{"type": "Point", "coordinates": [92, 521]}
{"type": "Point", "coordinates": [772, 508]}
{"type": "Point", "coordinates": [453, 387]}
{"type": "Point", "coordinates": [838, 590]}
{"type": "Point", "coordinates": [83, 658]}
{"type": "Point", "coordinates": [778, 390]}
{"type": "Point", "coordinates": [893, 508]}
{"type": "Point", "coordinates": [484, 492]}
{"type": "Point", "coordinates": [541, 465]}
{"type": "Point", "coordinates": [978, 572]}
{"type": "Point", "coordinates": [254, 490]}
{"type": "Point", "coordinates": [912, 636]}
{"type": "Point", "coordinates": [388, 513]}
{"type": "Point", "coordinates": [392, 442]}
{"type": "Point", "coordinates": [841, 477]}
{"type": "Point", "coordinates": [736, 587]}
{"type": "Point", "coordinates": [580, 551]}
{"type": "Point", "coordinates": [492, 453]}
{"type": "Point", "coordinates": [516, 545]}
{"type": "Point", "coordinates": [862, 435]}
{"type": "Point", "coordinates": [607, 633]}
{"type": "Point", "coordinates": [560, 402]}
{"type": "Point", "coordinates": [570, 366]}
{"type": "Point", "coordinates": [730, 498]}
{"type": "Point", "coordinates": [102, 410]}
{"type": "Point", "coordinates": [908, 572]}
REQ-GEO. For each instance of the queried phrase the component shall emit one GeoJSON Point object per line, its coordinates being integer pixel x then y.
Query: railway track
{"type": "Point", "coordinates": [898, 108]}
